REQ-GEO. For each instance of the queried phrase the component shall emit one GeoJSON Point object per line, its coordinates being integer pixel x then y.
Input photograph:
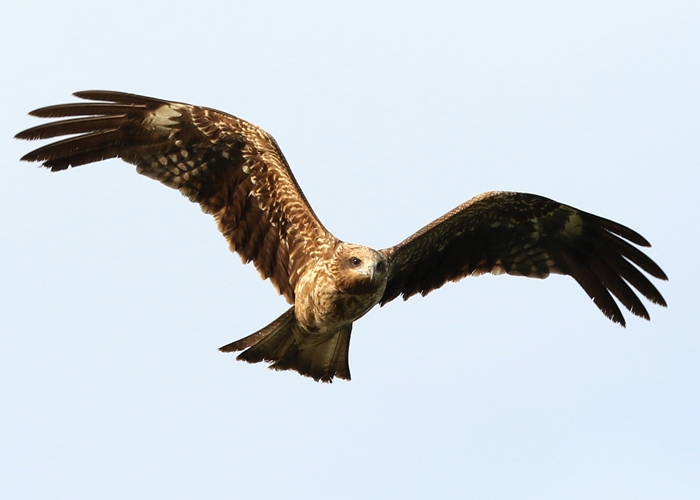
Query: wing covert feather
{"type": "Point", "coordinates": [234, 170]}
{"type": "Point", "coordinates": [526, 235]}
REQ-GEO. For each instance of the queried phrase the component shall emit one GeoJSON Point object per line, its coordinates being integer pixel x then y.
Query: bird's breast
{"type": "Point", "coordinates": [322, 305]}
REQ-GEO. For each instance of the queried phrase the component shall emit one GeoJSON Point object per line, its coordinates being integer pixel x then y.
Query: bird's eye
{"type": "Point", "coordinates": [355, 261]}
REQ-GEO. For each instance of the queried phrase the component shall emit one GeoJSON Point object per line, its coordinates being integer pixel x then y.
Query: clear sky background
{"type": "Point", "coordinates": [116, 292]}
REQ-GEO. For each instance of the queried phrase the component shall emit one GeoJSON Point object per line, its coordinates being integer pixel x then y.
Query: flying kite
{"type": "Point", "coordinates": [238, 174]}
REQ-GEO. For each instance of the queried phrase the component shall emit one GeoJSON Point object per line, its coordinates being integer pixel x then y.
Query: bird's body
{"type": "Point", "coordinates": [237, 173]}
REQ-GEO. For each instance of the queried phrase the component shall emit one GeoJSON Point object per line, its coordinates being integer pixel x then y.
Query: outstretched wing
{"type": "Point", "coordinates": [233, 169]}
{"type": "Point", "coordinates": [526, 235]}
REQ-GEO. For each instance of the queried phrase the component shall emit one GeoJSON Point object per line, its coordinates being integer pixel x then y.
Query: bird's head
{"type": "Point", "coordinates": [360, 269]}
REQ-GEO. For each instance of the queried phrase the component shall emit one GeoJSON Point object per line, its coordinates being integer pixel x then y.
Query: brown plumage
{"type": "Point", "coordinates": [237, 173]}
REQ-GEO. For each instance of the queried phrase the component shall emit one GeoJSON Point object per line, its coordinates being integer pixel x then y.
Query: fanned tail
{"type": "Point", "coordinates": [287, 347]}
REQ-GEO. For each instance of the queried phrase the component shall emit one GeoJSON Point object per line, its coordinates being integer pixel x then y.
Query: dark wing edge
{"type": "Point", "coordinates": [527, 235]}
{"type": "Point", "coordinates": [234, 170]}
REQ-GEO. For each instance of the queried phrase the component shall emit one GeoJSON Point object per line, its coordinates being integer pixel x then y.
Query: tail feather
{"type": "Point", "coordinates": [267, 340]}
{"type": "Point", "coordinates": [287, 347]}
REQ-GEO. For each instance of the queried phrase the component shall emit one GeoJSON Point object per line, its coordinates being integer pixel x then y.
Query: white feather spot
{"type": "Point", "coordinates": [573, 225]}
{"type": "Point", "coordinates": [164, 116]}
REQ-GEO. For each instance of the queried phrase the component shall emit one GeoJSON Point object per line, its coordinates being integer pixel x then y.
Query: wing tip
{"type": "Point", "coordinates": [97, 95]}
{"type": "Point", "coordinates": [228, 348]}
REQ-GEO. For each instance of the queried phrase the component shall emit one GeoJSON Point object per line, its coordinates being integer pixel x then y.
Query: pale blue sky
{"type": "Point", "coordinates": [117, 292]}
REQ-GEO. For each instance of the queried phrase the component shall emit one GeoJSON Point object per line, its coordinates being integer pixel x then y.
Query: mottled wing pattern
{"type": "Point", "coordinates": [233, 169]}
{"type": "Point", "coordinates": [526, 235]}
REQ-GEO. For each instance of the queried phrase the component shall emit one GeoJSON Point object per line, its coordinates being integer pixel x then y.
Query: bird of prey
{"type": "Point", "coordinates": [237, 173]}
